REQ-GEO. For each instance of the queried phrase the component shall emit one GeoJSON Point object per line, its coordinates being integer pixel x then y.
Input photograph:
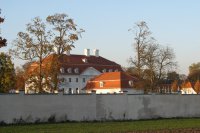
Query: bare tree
{"type": "Point", "coordinates": [141, 40]}
{"type": "Point", "coordinates": [158, 62]}
{"type": "Point", "coordinates": [66, 32]}
{"type": "Point", "coordinates": [33, 44]}
{"type": "Point", "coordinates": [152, 61]}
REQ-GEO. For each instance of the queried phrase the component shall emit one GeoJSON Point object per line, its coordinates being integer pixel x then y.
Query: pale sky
{"type": "Point", "coordinates": [174, 23]}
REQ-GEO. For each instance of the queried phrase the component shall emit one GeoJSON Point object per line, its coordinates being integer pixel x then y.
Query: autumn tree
{"type": "Point", "coordinates": [7, 73]}
{"type": "Point", "coordinates": [197, 87]}
{"type": "Point", "coordinates": [174, 86]}
{"type": "Point", "coordinates": [2, 40]}
{"type": "Point", "coordinates": [34, 44]}
{"type": "Point", "coordinates": [19, 78]}
{"type": "Point", "coordinates": [66, 33]}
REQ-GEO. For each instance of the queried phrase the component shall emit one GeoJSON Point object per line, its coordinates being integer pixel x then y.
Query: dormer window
{"type": "Point", "coordinates": [101, 84]}
{"type": "Point", "coordinates": [110, 70]}
{"type": "Point", "coordinates": [69, 70]}
{"type": "Point", "coordinates": [62, 70]}
{"type": "Point", "coordinates": [130, 83]}
{"type": "Point", "coordinates": [76, 70]}
{"type": "Point", "coordinates": [85, 60]}
{"type": "Point", "coordinates": [104, 70]}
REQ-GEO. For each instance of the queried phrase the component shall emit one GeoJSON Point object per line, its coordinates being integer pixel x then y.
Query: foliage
{"type": "Point", "coordinates": [168, 125]}
{"type": "Point", "coordinates": [197, 87]}
{"type": "Point", "coordinates": [33, 44]}
{"type": "Point", "coordinates": [66, 32]}
{"type": "Point", "coordinates": [194, 71]}
{"type": "Point", "coordinates": [174, 86]}
{"type": "Point", "coordinates": [2, 40]}
{"type": "Point", "coordinates": [37, 43]}
{"type": "Point", "coordinates": [7, 73]}
{"type": "Point", "coordinates": [19, 78]}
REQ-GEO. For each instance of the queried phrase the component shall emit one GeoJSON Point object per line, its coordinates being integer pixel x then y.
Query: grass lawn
{"type": "Point", "coordinates": [104, 127]}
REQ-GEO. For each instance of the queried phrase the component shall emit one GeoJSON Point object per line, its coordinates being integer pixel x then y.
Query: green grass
{"type": "Point", "coordinates": [103, 127]}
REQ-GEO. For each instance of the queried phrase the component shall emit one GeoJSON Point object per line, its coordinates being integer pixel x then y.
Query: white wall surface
{"type": "Point", "coordinates": [32, 108]}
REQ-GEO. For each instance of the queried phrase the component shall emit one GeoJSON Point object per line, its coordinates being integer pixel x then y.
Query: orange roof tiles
{"type": "Point", "coordinates": [111, 80]}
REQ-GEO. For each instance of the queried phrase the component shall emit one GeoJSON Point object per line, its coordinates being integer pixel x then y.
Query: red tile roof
{"type": "Point", "coordinates": [77, 61]}
{"type": "Point", "coordinates": [111, 80]}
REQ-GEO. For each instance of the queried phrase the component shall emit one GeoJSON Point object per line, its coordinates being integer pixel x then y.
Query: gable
{"type": "Point", "coordinates": [90, 71]}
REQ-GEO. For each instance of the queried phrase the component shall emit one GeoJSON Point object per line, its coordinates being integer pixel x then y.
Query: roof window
{"type": "Point", "coordinates": [110, 70]}
{"type": "Point", "coordinates": [76, 70]}
{"type": "Point", "coordinates": [104, 70]}
{"type": "Point", "coordinates": [62, 70]}
{"type": "Point", "coordinates": [69, 70]}
{"type": "Point", "coordinates": [85, 60]}
{"type": "Point", "coordinates": [130, 83]}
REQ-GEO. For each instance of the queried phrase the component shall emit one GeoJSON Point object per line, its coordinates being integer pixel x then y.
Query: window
{"type": "Point", "coordinates": [62, 70]}
{"type": "Point", "coordinates": [76, 79]}
{"type": "Point", "coordinates": [104, 70]}
{"type": "Point", "coordinates": [76, 70]}
{"type": "Point", "coordinates": [70, 91]}
{"type": "Point", "coordinates": [110, 70]}
{"type": "Point", "coordinates": [63, 80]}
{"type": "Point", "coordinates": [101, 84]}
{"type": "Point", "coordinates": [69, 70]}
{"type": "Point", "coordinates": [84, 60]}
{"type": "Point", "coordinates": [77, 91]}
{"type": "Point", "coordinates": [130, 83]}
{"type": "Point", "coordinates": [70, 80]}
{"type": "Point", "coordinates": [83, 80]}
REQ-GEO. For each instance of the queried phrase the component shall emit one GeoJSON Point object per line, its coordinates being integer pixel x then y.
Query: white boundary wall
{"type": "Point", "coordinates": [40, 108]}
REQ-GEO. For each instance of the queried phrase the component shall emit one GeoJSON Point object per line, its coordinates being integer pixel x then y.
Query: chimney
{"type": "Point", "coordinates": [87, 52]}
{"type": "Point", "coordinates": [96, 52]}
{"type": "Point", "coordinates": [68, 52]}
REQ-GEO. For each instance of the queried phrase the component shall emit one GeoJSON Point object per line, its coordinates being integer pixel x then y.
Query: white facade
{"type": "Point", "coordinates": [116, 91]}
{"type": "Point", "coordinates": [188, 91]}
{"type": "Point", "coordinates": [75, 83]}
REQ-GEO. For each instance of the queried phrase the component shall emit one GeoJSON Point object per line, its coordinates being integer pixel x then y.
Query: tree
{"type": "Point", "coordinates": [66, 32]}
{"type": "Point", "coordinates": [19, 78]}
{"type": "Point", "coordinates": [194, 71]}
{"type": "Point", "coordinates": [7, 73]}
{"type": "Point", "coordinates": [2, 40]}
{"type": "Point", "coordinates": [174, 86]}
{"type": "Point", "coordinates": [34, 44]}
{"type": "Point", "coordinates": [173, 76]}
{"type": "Point", "coordinates": [197, 87]}
{"type": "Point", "coordinates": [152, 61]}
{"type": "Point", "coordinates": [142, 39]}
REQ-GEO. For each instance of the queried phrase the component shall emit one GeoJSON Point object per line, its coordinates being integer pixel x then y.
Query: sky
{"type": "Point", "coordinates": [174, 23]}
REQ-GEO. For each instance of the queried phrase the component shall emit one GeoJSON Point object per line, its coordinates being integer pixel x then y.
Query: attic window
{"type": "Point", "coordinates": [85, 60]}
{"type": "Point", "coordinates": [101, 84]}
{"type": "Point", "coordinates": [62, 70]}
{"type": "Point", "coordinates": [104, 70]}
{"type": "Point", "coordinates": [110, 70]}
{"type": "Point", "coordinates": [76, 70]}
{"type": "Point", "coordinates": [130, 83]}
{"type": "Point", "coordinates": [69, 70]}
